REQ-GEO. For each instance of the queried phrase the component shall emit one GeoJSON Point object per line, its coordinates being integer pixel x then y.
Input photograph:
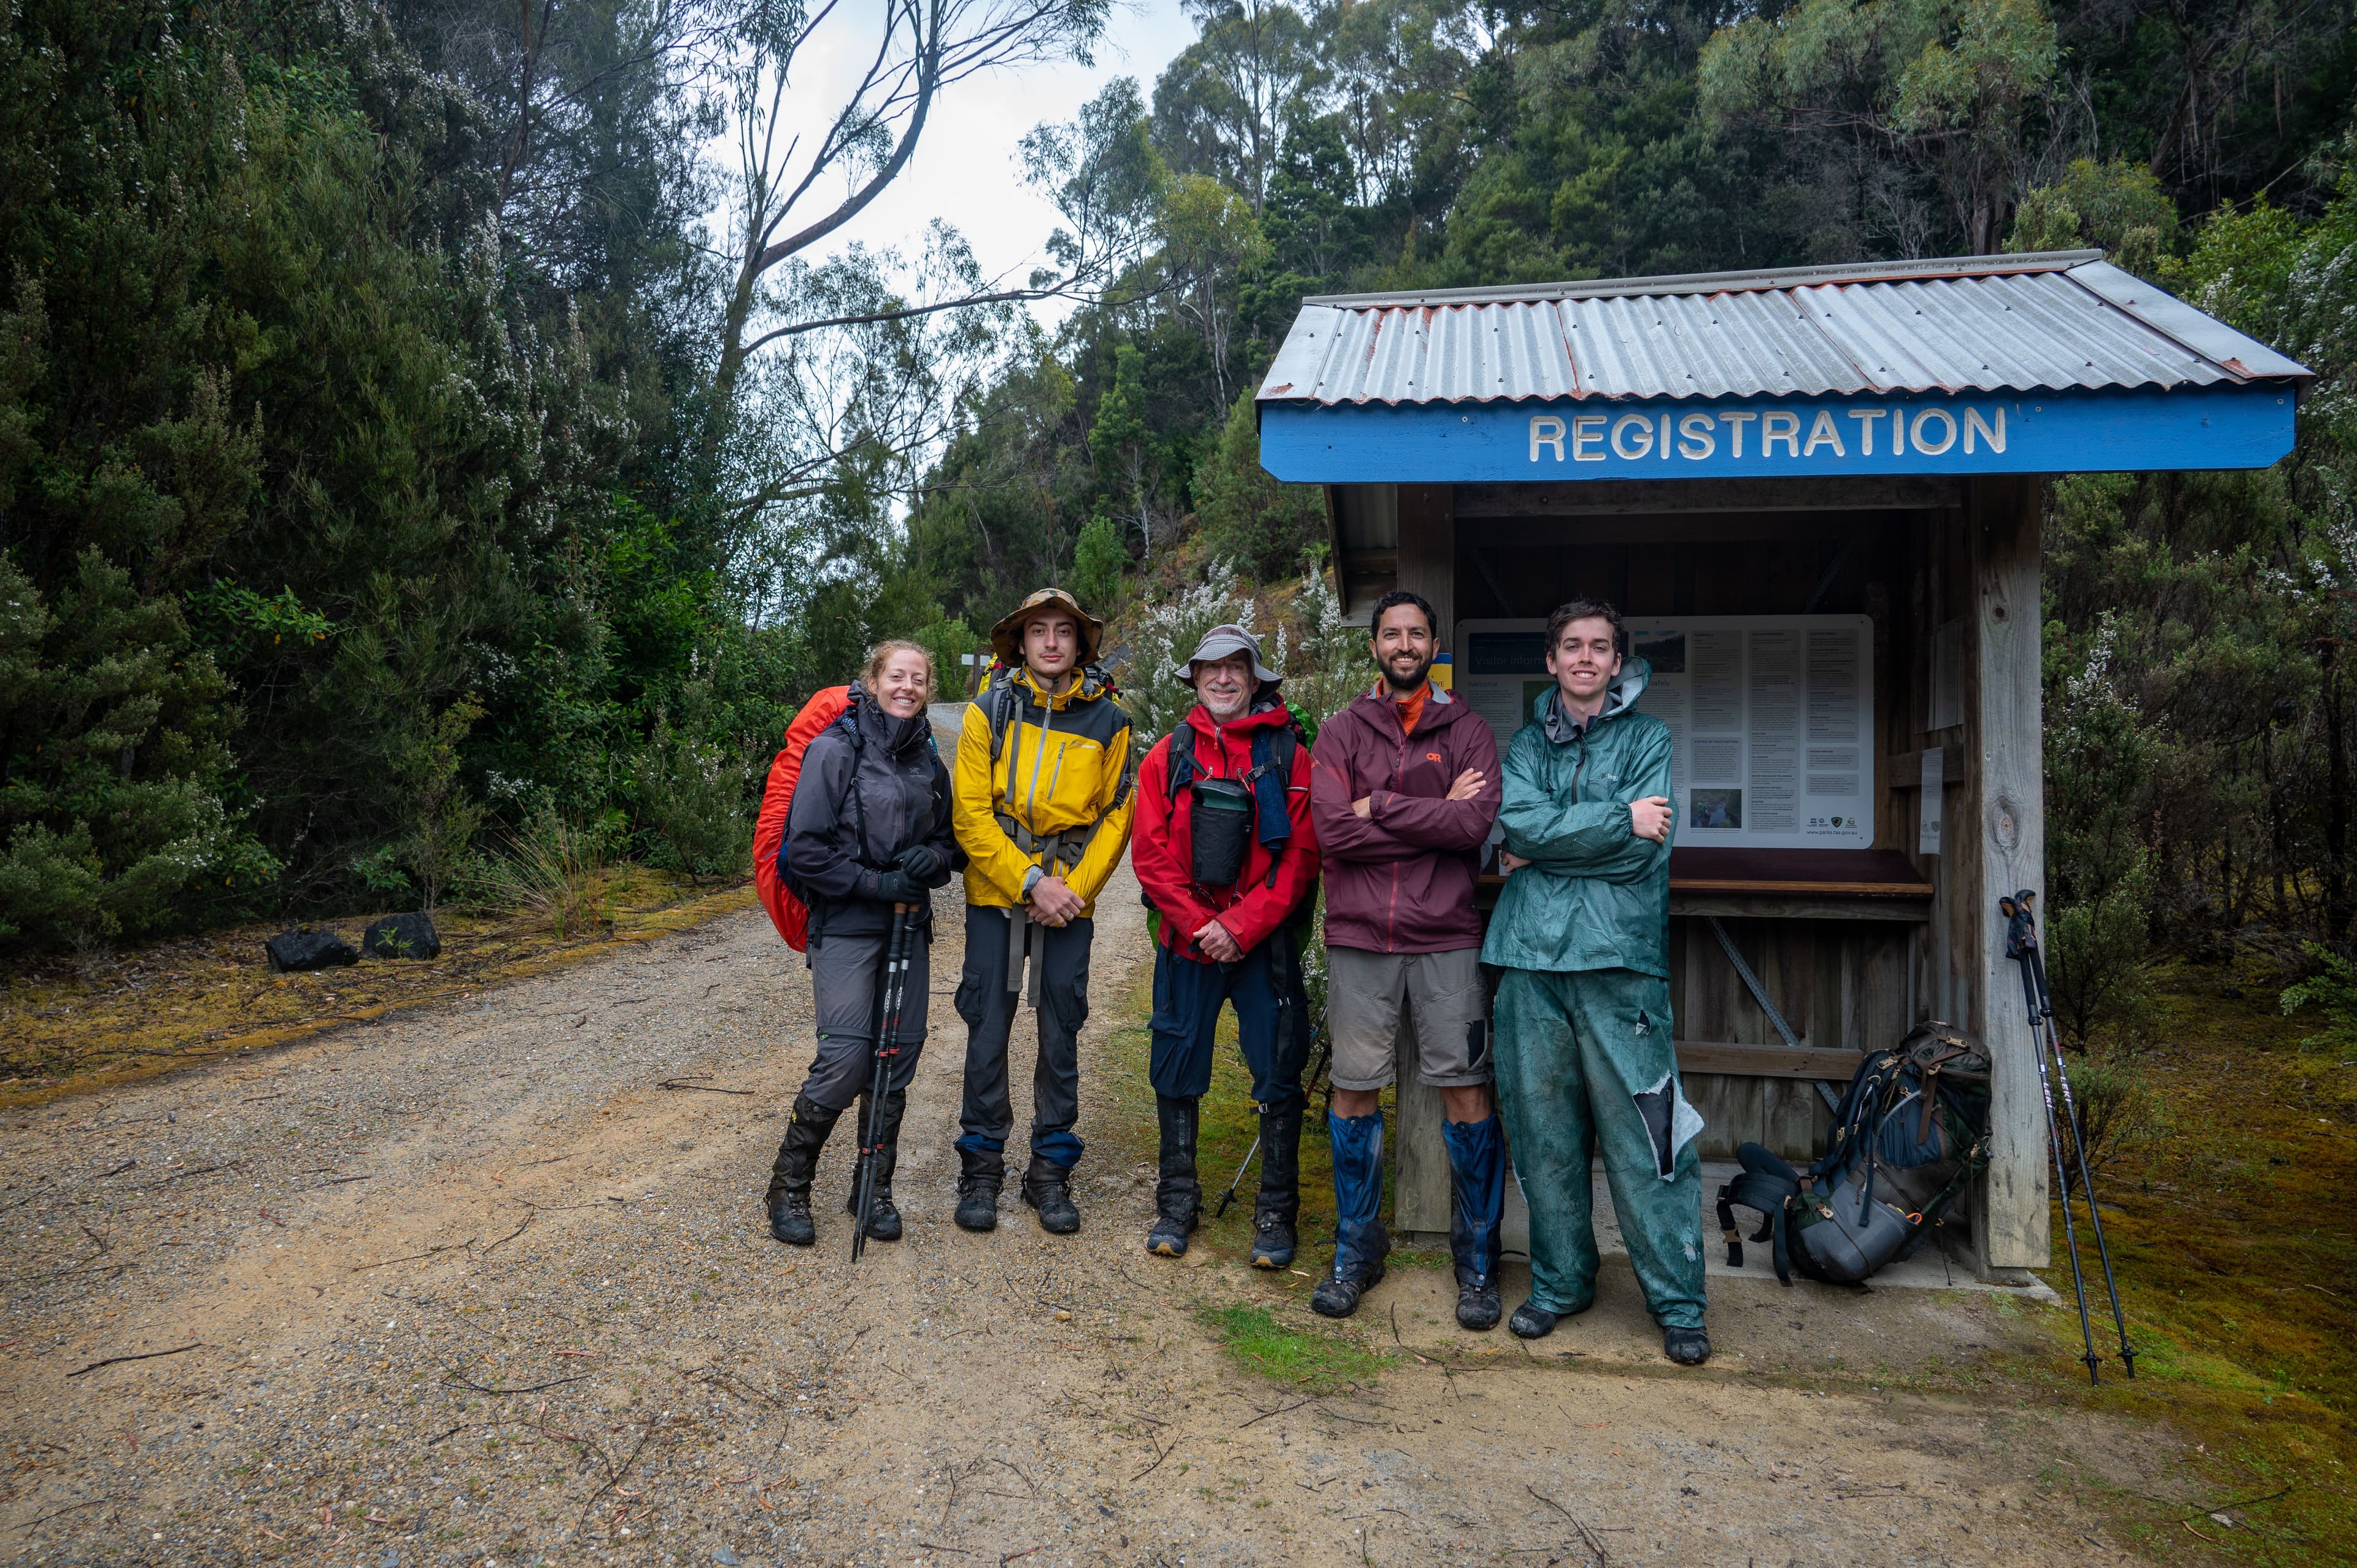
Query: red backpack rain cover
{"type": "Point", "coordinates": [788, 913]}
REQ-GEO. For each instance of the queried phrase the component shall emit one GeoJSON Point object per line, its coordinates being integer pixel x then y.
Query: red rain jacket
{"type": "Point", "coordinates": [1401, 879]}
{"type": "Point", "coordinates": [1161, 845]}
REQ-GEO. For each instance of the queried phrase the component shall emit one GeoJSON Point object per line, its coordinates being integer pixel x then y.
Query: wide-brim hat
{"type": "Point", "coordinates": [1007, 637]}
{"type": "Point", "coordinates": [1220, 642]}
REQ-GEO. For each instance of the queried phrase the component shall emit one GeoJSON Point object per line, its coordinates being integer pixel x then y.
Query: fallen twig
{"type": "Point", "coordinates": [535, 1388]}
{"type": "Point", "coordinates": [1587, 1538]}
{"type": "Point", "coordinates": [194, 1170]}
{"type": "Point", "coordinates": [510, 1236]}
{"type": "Point", "coordinates": [705, 1089]}
{"type": "Point", "coordinates": [142, 1356]}
{"type": "Point", "coordinates": [116, 1171]}
{"type": "Point", "coordinates": [70, 1507]}
{"type": "Point", "coordinates": [446, 1247]}
{"type": "Point", "coordinates": [1158, 1463]}
{"type": "Point", "coordinates": [1280, 1409]}
{"type": "Point", "coordinates": [2247, 1502]}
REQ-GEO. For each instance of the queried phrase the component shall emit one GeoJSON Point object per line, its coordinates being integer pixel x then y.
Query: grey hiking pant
{"type": "Point", "coordinates": [845, 978]}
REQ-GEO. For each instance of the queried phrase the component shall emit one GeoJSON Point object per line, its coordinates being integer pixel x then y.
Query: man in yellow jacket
{"type": "Point", "coordinates": [1040, 801]}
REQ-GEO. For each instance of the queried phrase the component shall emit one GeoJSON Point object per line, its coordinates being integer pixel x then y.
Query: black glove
{"type": "Point", "coordinates": [898, 888]}
{"type": "Point", "coordinates": [922, 861]}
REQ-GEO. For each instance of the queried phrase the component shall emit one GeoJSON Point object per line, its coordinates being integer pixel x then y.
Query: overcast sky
{"type": "Point", "coordinates": [966, 168]}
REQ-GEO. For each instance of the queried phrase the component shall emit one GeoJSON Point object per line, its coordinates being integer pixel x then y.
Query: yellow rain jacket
{"type": "Point", "coordinates": [1062, 766]}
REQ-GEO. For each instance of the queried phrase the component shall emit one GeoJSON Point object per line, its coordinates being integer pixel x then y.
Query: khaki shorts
{"type": "Point", "coordinates": [1443, 995]}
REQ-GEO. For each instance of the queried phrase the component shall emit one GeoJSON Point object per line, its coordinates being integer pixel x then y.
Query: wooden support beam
{"type": "Point", "coordinates": [1427, 551]}
{"type": "Point", "coordinates": [1607, 498]}
{"type": "Point", "coordinates": [1905, 770]}
{"type": "Point", "coordinates": [1767, 1061]}
{"type": "Point", "coordinates": [2006, 851]}
{"type": "Point", "coordinates": [1911, 910]}
{"type": "Point", "coordinates": [1428, 566]}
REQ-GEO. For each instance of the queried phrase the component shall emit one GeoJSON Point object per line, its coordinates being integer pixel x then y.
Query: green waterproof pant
{"type": "Point", "coordinates": [1575, 1053]}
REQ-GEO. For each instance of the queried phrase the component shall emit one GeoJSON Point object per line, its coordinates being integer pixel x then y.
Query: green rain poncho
{"type": "Point", "coordinates": [1585, 1052]}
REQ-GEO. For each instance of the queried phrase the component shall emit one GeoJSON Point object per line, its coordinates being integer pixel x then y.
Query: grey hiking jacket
{"type": "Point", "coordinates": [861, 801]}
{"type": "Point", "coordinates": [1597, 896]}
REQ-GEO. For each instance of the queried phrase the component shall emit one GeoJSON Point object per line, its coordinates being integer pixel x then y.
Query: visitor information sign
{"type": "Point", "coordinates": [1772, 718]}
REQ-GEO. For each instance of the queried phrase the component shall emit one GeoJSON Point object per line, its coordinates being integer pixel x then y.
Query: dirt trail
{"type": "Point", "coordinates": [470, 1285]}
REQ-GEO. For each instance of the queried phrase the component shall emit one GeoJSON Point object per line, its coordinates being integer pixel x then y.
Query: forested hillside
{"type": "Point", "coordinates": [429, 425]}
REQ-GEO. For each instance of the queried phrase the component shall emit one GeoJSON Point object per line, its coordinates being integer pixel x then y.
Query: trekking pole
{"type": "Point", "coordinates": [2051, 1040]}
{"type": "Point", "coordinates": [1325, 1056]}
{"type": "Point", "coordinates": [887, 1047]}
{"type": "Point", "coordinates": [2020, 940]}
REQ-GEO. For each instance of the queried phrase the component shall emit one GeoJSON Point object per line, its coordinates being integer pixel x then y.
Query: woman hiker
{"type": "Point", "coordinates": [867, 836]}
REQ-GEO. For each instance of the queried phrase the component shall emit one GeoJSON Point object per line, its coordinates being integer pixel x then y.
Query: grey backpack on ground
{"type": "Point", "coordinates": [1907, 1137]}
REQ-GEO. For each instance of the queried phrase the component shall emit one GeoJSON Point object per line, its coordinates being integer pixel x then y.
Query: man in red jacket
{"type": "Point", "coordinates": [1406, 789]}
{"type": "Point", "coordinates": [1223, 848]}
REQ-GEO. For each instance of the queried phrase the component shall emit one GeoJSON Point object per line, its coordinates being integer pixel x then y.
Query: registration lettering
{"type": "Point", "coordinates": [1807, 436]}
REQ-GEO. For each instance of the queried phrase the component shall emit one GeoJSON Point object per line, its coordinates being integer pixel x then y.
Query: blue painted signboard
{"type": "Point", "coordinates": [2248, 427]}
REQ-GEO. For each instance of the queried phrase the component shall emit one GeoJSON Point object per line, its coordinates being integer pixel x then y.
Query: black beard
{"type": "Point", "coordinates": [1421, 672]}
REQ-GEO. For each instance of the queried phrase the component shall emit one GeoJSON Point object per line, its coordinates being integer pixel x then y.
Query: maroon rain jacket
{"type": "Point", "coordinates": [1401, 878]}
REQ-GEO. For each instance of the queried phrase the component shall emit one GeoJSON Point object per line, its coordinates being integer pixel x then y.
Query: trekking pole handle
{"type": "Point", "coordinates": [2021, 946]}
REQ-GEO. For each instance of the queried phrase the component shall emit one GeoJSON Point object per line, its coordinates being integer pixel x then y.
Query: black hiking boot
{"type": "Point", "coordinates": [1357, 1271]}
{"type": "Point", "coordinates": [1686, 1347]}
{"type": "Point", "coordinates": [1277, 1207]}
{"type": "Point", "coordinates": [788, 1200]}
{"type": "Point", "coordinates": [977, 1207]}
{"type": "Point", "coordinates": [883, 1219]}
{"type": "Point", "coordinates": [1047, 1188]}
{"type": "Point", "coordinates": [1532, 1321]}
{"type": "Point", "coordinates": [1178, 1196]}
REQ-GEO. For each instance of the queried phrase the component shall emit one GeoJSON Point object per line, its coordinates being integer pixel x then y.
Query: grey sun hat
{"type": "Point", "coordinates": [1218, 643]}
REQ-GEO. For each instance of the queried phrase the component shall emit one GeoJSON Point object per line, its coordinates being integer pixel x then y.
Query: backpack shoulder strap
{"type": "Point", "coordinates": [1182, 759]}
{"type": "Point", "coordinates": [1006, 702]}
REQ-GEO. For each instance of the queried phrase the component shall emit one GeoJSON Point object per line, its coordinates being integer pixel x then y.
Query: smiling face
{"type": "Point", "coordinates": [1051, 645]}
{"type": "Point", "coordinates": [1402, 646]}
{"type": "Point", "coordinates": [1224, 685]}
{"type": "Point", "coordinates": [904, 684]}
{"type": "Point", "coordinates": [1585, 657]}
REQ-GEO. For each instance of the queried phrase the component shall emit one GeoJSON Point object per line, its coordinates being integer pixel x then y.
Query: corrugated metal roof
{"type": "Point", "coordinates": [2040, 322]}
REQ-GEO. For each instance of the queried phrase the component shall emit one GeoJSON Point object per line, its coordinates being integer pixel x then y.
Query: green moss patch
{"type": "Point", "coordinates": [1314, 1361]}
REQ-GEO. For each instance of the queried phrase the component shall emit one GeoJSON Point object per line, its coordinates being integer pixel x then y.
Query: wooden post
{"type": "Point", "coordinates": [1428, 566]}
{"type": "Point", "coordinates": [1427, 551]}
{"type": "Point", "coordinates": [2010, 1224]}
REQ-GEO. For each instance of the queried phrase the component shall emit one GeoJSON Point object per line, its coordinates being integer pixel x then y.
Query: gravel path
{"type": "Point", "coordinates": [470, 1285]}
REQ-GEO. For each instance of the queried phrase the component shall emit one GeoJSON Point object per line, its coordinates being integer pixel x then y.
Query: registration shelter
{"type": "Point", "coordinates": [1816, 494]}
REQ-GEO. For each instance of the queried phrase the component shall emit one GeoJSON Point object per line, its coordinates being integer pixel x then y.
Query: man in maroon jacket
{"type": "Point", "coordinates": [1405, 791]}
{"type": "Point", "coordinates": [1223, 847]}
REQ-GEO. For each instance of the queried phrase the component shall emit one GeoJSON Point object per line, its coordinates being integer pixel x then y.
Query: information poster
{"type": "Point", "coordinates": [1773, 717]}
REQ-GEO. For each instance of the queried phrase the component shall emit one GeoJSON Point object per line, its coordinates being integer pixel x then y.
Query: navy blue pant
{"type": "Point", "coordinates": [1187, 997]}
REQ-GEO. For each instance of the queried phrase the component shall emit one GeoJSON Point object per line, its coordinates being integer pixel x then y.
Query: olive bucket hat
{"type": "Point", "coordinates": [1007, 637]}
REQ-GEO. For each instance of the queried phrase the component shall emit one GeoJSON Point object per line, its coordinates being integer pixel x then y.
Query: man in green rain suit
{"type": "Point", "coordinates": [1584, 1052]}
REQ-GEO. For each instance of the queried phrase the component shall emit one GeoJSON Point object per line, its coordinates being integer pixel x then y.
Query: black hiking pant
{"type": "Point", "coordinates": [986, 1119]}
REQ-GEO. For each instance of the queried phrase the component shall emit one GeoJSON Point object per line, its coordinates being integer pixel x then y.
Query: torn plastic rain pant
{"type": "Point", "coordinates": [1582, 1060]}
